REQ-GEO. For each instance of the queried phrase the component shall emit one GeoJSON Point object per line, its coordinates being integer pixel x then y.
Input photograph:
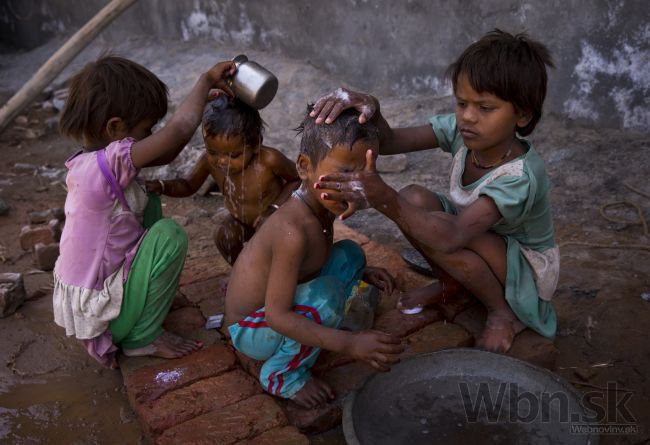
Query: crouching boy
{"type": "Point", "coordinates": [288, 288]}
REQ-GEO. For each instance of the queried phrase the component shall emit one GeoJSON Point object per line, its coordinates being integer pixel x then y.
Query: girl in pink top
{"type": "Point", "coordinates": [120, 262]}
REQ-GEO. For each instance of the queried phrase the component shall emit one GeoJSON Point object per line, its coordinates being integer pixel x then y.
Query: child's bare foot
{"type": "Point", "coordinates": [315, 392]}
{"type": "Point", "coordinates": [500, 329]}
{"type": "Point", "coordinates": [168, 345]}
{"type": "Point", "coordinates": [420, 297]}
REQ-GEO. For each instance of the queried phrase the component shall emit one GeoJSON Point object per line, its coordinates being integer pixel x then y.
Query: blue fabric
{"type": "Point", "coordinates": [322, 300]}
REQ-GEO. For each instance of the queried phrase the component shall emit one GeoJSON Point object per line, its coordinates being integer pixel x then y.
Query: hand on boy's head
{"type": "Point", "coordinates": [219, 74]}
{"type": "Point", "coordinates": [357, 189]}
{"type": "Point", "coordinates": [378, 349]}
{"type": "Point", "coordinates": [327, 108]}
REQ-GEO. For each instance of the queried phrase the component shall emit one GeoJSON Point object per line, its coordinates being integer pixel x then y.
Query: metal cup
{"type": "Point", "coordinates": [252, 83]}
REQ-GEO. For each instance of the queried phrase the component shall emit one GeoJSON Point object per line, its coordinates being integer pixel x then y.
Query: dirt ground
{"type": "Point", "coordinates": [51, 392]}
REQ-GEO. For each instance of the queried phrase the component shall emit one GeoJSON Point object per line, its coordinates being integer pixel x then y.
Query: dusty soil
{"type": "Point", "coordinates": [51, 392]}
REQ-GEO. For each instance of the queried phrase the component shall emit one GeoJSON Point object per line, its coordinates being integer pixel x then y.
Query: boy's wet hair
{"type": "Point", "coordinates": [318, 140]}
{"type": "Point", "coordinates": [111, 87]}
{"type": "Point", "coordinates": [512, 68]}
{"type": "Point", "coordinates": [227, 116]}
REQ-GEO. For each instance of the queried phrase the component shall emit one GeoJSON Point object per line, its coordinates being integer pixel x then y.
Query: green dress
{"type": "Point", "coordinates": [519, 188]}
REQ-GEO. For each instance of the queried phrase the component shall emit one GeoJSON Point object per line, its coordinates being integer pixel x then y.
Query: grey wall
{"type": "Point", "coordinates": [601, 48]}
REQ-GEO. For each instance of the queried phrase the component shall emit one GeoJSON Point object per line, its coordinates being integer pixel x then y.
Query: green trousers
{"type": "Point", "coordinates": [152, 281]}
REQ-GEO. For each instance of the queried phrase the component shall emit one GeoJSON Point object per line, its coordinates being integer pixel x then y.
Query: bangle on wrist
{"type": "Point", "coordinates": [162, 186]}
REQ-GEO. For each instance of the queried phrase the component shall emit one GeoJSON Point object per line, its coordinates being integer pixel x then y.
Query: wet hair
{"type": "Point", "coordinates": [512, 68]}
{"type": "Point", "coordinates": [318, 140]}
{"type": "Point", "coordinates": [111, 87]}
{"type": "Point", "coordinates": [227, 116]}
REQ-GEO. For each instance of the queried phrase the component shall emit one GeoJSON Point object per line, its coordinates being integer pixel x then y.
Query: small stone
{"type": "Point", "coordinates": [584, 373]}
{"type": "Point", "coordinates": [201, 213]}
{"type": "Point", "coordinates": [58, 103]}
{"type": "Point", "coordinates": [645, 296]}
{"type": "Point", "coordinates": [12, 293]}
{"type": "Point", "coordinates": [4, 208]}
{"type": "Point", "coordinates": [22, 167]}
{"type": "Point", "coordinates": [45, 255]}
{"type": "Point", "coordinates": [392, 164]}
{"type": "Point", "coordinates": [30, 236]}
{"type": "Point", "coordinates": [43, 216]}
{"type": "Point", "coordinates": [48, 105]}
{"type": "Point", "coordinates": [181, 220]}
{"type": "Point", "coordinates": [52, 122]}
{"type": "Point", "coordinates": [218, 217]}
{"type": "Point", "coordinates": [21, 120]}
{"type": "Point", "coordinates": [31, 133]}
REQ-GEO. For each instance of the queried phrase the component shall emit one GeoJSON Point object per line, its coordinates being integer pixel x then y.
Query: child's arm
{"type": "Point", "coordinates": [392, 140]}
{"type": "Point", "coordinates": [288, 252]}
{"type": "Point", "coordinates": [283, 168]}
{"type": "Point", "coordinates": [439, 231]}
{"type": "Point", "coordinates": [163, 146]}
{"type": "Point", "coordinates": [181, 187]}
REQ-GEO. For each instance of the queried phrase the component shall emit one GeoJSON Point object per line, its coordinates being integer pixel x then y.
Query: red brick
{"type": "Point", "coordinates": [203, 268]}
{"type": "Point", "coordinates": [210, 289]}
{"type": "Point", "coordinates": [287, 435]}
{"type": "Point", "coordinates": [45, 255]}
{"type": "Point", "coordinates": [184, 321]}
{"type": "Point", "coordinates": [180, 301]}
{"type": "Point", "coordinates": [30, 236]}
{"type": "Point", "coordinates": [343, 380]}
{"type": "Point", "coordinates": [437, 336]}
{"type": "Point", "coordinates": [348, 378]}
{"type": "Point", "coordinates": [251, 366]}
{"type": "Point", "coordinates": [401, 325]}
{"type": "Point", "coordinates": [150, 382]}
{"type": "Point", "coordinates": [226, 426]}
{"type": "Point", "coordinates": [198, 398]}
{"type": "Point", "coordinates": [328, 360]}
{"type": "Point", "coordinates": [459, 303]}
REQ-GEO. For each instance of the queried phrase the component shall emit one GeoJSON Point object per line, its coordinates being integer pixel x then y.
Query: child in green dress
{"type": "Point", "coordinates": [493, 234]}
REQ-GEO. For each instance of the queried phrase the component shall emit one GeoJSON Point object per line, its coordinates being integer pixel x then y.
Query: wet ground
{"type": "Point", "coordinates": [51, 392]}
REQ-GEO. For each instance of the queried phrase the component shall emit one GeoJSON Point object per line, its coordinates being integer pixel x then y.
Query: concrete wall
{"type": "Point", "coordinates": [601, 48]}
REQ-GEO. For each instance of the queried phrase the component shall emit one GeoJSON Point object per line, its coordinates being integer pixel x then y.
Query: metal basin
{"type": "Point", "coordinates": [466, 396]}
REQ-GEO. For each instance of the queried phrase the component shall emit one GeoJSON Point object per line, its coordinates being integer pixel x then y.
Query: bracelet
{"type": "Point", "coordinates": [162, 186]}
{"type": "Point", "coordinates": [274, 206]}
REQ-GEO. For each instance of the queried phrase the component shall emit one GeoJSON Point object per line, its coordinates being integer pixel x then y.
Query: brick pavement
{"type": "Point", "coordinates": [213, 397]}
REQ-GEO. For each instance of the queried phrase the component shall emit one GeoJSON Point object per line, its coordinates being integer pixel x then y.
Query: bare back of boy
{"type": "Point", "coordinates": [293, 224]}
{"type": "Point", "coordinates": [249, 192]}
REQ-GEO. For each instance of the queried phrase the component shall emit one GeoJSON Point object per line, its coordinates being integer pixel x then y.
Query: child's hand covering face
{"type": "Point", "coordinates": [359, 190]}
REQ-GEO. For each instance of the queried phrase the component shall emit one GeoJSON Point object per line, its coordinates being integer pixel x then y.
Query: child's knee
{"type": "Point", "coordinates": [420, 197]}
